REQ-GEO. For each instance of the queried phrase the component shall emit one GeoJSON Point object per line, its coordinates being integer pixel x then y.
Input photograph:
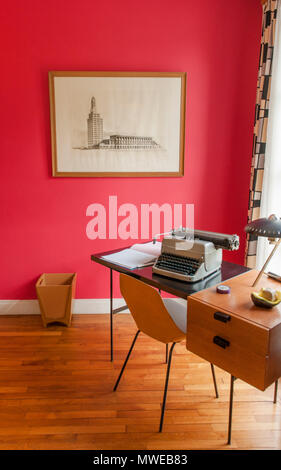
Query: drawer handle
{"type": "Point", "coordinates": [223, 343]}
{"type": "Point", "coordinates": [222, 317]}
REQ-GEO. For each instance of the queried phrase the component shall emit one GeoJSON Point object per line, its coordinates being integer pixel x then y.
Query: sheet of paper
{"type": "Point", "coordinates": [150, 248]}
{"type": "Point", "coordinates": [130, 258]}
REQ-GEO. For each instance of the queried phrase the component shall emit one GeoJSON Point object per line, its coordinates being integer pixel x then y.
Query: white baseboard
{"type": "Point", "coordinates": [31, 307]}
{"type": "Point", "coordinates": [87, 306]}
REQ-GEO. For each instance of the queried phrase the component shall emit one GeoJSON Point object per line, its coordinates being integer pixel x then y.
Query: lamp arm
{"type": "Point", "coordinates": [266, 263]}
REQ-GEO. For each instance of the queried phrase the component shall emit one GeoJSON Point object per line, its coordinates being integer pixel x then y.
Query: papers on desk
{"type": "Point", "coordinates": [137, 256]}
{"type": "Point", "coordinates": [149, 248]}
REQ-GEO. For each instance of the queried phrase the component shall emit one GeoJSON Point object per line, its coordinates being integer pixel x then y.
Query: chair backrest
{"type": "Point", "coordinates": [149, 311]}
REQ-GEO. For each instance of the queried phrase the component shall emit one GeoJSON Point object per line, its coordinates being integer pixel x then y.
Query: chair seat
{"type": "Point", "coordinates": [178, 312]}
{"type": "Point", "coordinates": [162, 319]}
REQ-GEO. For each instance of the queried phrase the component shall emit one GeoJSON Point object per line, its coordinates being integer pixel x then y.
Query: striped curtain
{"type": "Point", "coordinates": [261, 120]}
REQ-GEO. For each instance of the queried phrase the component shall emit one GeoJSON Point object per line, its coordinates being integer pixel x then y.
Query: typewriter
{"type": "Point", "coordinates": [193, 255]}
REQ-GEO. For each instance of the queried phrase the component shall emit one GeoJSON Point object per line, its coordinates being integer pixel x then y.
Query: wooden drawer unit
{"type": "Point", "coordinates": [230, 332]}
{"type": "Point", "coordinates": [236, 346]}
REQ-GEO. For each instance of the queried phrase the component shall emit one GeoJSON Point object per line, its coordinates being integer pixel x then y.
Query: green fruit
{"type": "Point", "coordinates": [260, 301]}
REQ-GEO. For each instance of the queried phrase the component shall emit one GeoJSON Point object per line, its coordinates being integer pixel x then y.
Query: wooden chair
{"type": "Point", "coordinates": [161, 319]}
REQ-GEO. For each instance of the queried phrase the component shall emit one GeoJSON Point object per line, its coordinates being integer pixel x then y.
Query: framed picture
{"type": "Point", "coordinates": [117, 123]}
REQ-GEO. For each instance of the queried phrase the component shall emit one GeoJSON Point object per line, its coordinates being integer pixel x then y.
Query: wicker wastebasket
{"type": "Point", "coordinates": [55, 293]}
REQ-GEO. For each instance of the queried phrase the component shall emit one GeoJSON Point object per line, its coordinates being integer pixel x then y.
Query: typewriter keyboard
{"type": "Point", "coordinates": [178, 264]}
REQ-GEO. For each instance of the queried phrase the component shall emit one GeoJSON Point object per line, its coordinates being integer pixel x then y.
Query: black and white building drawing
{"type": "Point", "coordinates": [98, 140]}
{"type": "Point", "coordinates": [117, 123]}
{"type": "Point", "coordinates": [95, 126]}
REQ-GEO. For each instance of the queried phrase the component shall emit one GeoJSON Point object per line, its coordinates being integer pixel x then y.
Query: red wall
{"type": "Point", "coordinates": [43, 219]}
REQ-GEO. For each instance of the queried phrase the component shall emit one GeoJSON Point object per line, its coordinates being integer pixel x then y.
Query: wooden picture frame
{"type": "Point", "coordinates": [117, 124]}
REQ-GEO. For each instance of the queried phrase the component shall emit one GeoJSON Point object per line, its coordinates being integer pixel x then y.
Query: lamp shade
{"type": "Point", "coordinates": [266, 227]}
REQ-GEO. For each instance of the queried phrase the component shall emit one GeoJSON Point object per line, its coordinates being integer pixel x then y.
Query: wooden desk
{"type": "Point", "coordinates": [172, 286]}
{"type": "Point", "coordinates": [229, 331]}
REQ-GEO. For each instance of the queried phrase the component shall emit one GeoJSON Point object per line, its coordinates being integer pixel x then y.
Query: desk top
{"type": "Point", "coordinates": [173, 286]}
{"type": "Point", "coordinates": [239, 302]}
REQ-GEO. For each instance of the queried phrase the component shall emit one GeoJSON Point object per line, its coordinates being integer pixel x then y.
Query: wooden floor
{"type": "Point", "coordinates": [56, 392]}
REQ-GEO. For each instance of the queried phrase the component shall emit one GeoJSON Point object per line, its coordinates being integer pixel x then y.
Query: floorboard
{"type": "Point", "coordinates": [56, 392]}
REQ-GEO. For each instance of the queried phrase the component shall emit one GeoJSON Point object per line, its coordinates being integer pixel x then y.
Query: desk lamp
{"type": "Point", "coordinates": [266, 227]}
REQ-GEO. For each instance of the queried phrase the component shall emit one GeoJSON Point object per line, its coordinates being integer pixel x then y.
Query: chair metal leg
{"type": "Point", "coordinates": [275, 392]}
{"type": "Point", "coordinates": [166, 387]}
{"type": "Point", "coordinates": [230, 408]}
{"type": "Point", "coordinates": [167, 353]}
{"type": "Point", "coordinates": [167, 346]}
{"type": "Point", "coordinates": [214, 380]}
{"type": "Point", "coordinates": [126, 360]}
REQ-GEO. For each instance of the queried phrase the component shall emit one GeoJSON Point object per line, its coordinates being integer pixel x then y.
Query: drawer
{"type": "Point", "coordinates": [235, 359]}
{"type": "Point", "coordinates": [250, 336]}
{"type": "Point", "coordinates": [240, 347]}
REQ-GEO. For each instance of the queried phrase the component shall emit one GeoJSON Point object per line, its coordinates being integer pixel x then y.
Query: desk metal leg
{"type": "Point", "coordinates": [230, 408]}
{"type": "Point", "coordinates": [111, 316]}
{"type": "Point", "coordinates": [112, 313]}
{"type": "Point", "coordinates": [214, 380]}
{"type": "Point", "coordinates": [126, 360]}
{"type": "Point", "coordinates": [166, 387]}
{"type": "Point", "coordinates": [231, 404]}
{"type": "Point", "coordinates": [275, 392]}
